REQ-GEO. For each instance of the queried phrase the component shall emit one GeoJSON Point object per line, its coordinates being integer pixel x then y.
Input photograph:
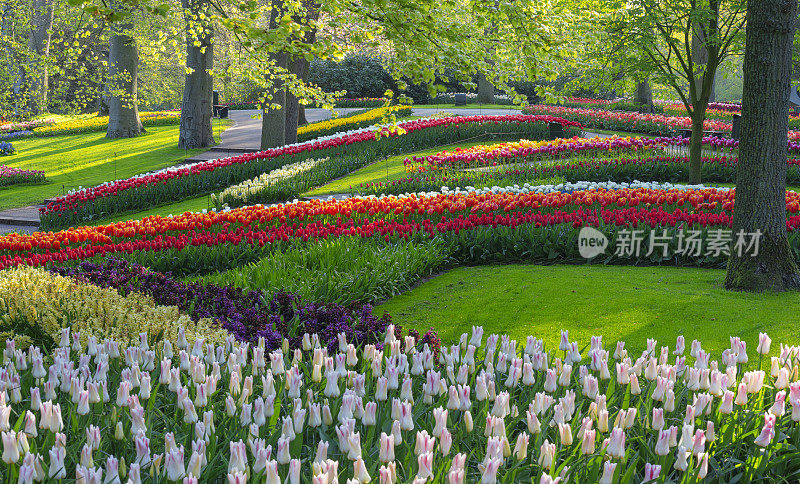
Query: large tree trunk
{"type": "Point", "coordinates": [301, 115]}
{"type": "Point", "coordinates": [299, 66]}
{"type": "Point", "coordinates": [123, 69]}
{"type": "Point", "coordinates": [195, 129]}
{"type": "Point", "coordinates": [644, 94]}
{"type": "Point", "coordinates": [761, 172]}
{"type": "Point", "coordinates": [485, 90]}
{"type": "Point", "coordinates": [273, 120]}
{"type": "Point", "coordinates": [39, 38]}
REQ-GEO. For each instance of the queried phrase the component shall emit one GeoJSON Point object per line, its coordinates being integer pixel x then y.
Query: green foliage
{"type": "Point", "coordinates": [340, 271]}
{"type": "Point", "coordinates": [359, 75]}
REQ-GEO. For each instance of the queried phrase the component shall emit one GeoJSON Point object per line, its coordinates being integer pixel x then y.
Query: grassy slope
{"type": "Point", "coordinates": [619, 303]}
{"type": "Point", "coordinates": [88, 160]}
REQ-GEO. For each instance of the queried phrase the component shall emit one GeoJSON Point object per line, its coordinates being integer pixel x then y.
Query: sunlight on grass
{"type": "Point", "coordinates": [90, 159]}
{"type": "Point", "coordinates": [630, 303]}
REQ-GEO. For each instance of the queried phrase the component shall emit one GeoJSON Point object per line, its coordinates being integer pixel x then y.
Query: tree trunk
{"type": "Point", "coordinates": [273, 120]}
{"type": "Point", "coordinates": [761, 172]}
{"type": "Point", "coordinates": [299, 67]}
{"type": "Point", "coordinates": [39, 46]}
{"type": "Point", "coordinates": [195, 129]}
{"type": "Point", "coordinates": [644, 94]}
{"type": "Point", "coordinates": [301, 117]}
{"type": "Point", "coordinates": [696, 147]}
{"type": "Point", "coordinates": [123, 68]}
{"type": "Point", "coordinates": [485, 90]}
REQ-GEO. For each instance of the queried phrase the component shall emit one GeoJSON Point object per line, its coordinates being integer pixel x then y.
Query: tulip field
{"type": "Point", "coordinates": [242, 344]}
{"type": "Point", "coordinates": [349, 151]}
{"type": "Point", "coordinates": [573, 160]}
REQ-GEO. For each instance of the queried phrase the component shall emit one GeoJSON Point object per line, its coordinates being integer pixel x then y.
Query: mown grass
{"type": "Point", "coordinates": [87, 160]}
{"type": "Point", "coordinates": [619, 303]}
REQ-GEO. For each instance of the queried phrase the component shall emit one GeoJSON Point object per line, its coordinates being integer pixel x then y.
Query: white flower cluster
{"type": "Point", "coordinates": [241, 193]}
{"type": "Point", "coordinates": [480, 410]}
{"type": "Point", "coordinates": [563, 187]}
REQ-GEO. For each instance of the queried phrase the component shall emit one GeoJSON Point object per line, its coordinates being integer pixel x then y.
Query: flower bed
{"type": "Point", "coordinates": [474, 226]}
{"type": "Point", "coordinates": [100, 123]}
{"type": "Point", "coordinates": [350, 151]}
{"type": "Point", "coordinates": [485, 410]}
{"type": "Point", "coordinates": [14, 176]}
{"type": "Point", "coordinates": [15, 134]}
{"type": "Point", "coordinates": [654, 124]}
{"type": "Point", "coordinates": [6, 148]}
{"type": "Point", "coordinates": [346, 123]}
{"type": "Point", "coordinates": [37, 306]}
{"type": "Point", "coordinates": [267, 187]}
{"type": "Point", "coordinates": [724, 112]}
{"type": "Point", "coordinates": [9, 127]}
{"type": "Point", "coordinates": [247, 315]}
{"type": "Point", "coordinates": [595, 159]}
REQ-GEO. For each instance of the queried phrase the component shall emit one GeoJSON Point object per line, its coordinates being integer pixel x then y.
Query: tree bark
{"type": "Point", "coordinates": [644, 94]}
{"type": "Point", "coordinates": [273, 120]}
{"type": "Point", "coordinates": [485, 90]}
{"type": "Point", "coordinates": [299, 67]}
{"type": "Point", "coordinates": [123, 69]}
{"type": "Point", "coordinates": [195, 129]}
{"type": "Point", "coordinates": [761, 172]}
{"type": "Point", "coordinates": [301, 117]}
{"type": "Point", "coordinates": [696, 148]}
{"type": "Point", "coordinates": [39, 39]}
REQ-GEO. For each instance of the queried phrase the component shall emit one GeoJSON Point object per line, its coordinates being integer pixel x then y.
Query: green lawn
{"type": "Point", "coordinates": [195, 204]}
{"type": "Point", "coordinates": [87, 160]}
{"type": "Point", "coordinates": [619, 303]}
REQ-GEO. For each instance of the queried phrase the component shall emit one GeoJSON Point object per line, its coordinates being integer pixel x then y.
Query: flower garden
{"type": "Point", "coordinates": [241, 345]}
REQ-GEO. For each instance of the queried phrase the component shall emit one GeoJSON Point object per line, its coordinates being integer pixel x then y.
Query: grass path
{"type": "Point", "coordinates": [617, 302]}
